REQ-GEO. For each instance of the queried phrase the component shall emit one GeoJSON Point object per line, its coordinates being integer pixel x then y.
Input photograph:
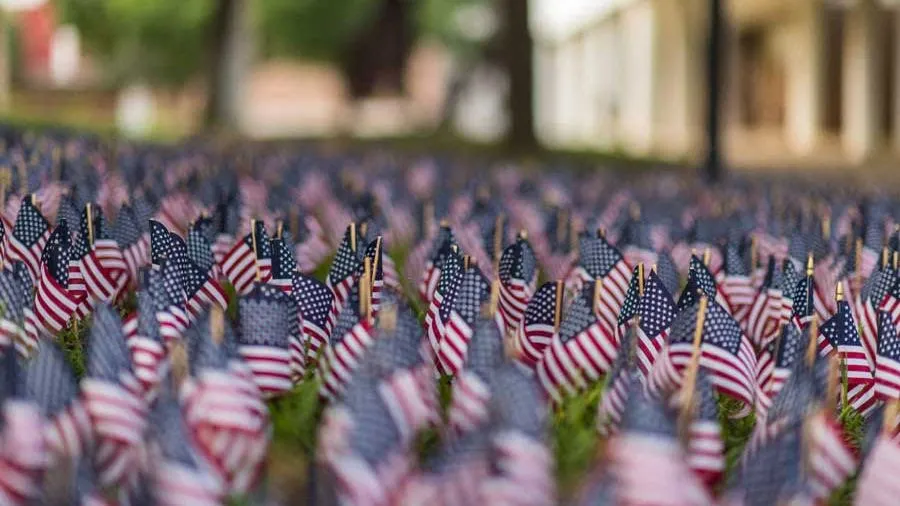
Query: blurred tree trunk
{"type": "Point", "coordinates": [519, 54]}
{"type": "Point", "coordinates": [375, 61]}
{"type": "Point", "coordinates": [229, 57]}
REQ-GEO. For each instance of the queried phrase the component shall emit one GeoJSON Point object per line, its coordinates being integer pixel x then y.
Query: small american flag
{"type": "Point", "coordinates": [668, 272]}
{"type": "Point", "coordinates": [199, 247]}
{"type": "Point", "coordinates": [24, 455]}
{"type": "Point", "coordinates": [538, 324]}
{"type": "Point", "coordinates": [315, 302]}
{"type": "Point", "coordinates": [583, 350]}
{"type": "Point", "coordinates": [831, 459]}
{"type": "Point", "coordinates": [438, 314]}
{"type": "Point", "coordinates": [878, 485]}
{"type": "Point", "coordinates": [51, 383]}
{"type": "Point", "coordinates": [169, 298]}
{"type": "Point", "coordinates": [117, 412]}
{"type": "Point", "coordinates": [766, 313]}
{"type": "Point", "coordinates": [600, 259]}
{"type": "Point", "coordinates": [348, 343]}
{"type": "Point", "coordinates": [469, 405]}
{"type": "Point", "coordinates": [657, 311]}
{"type": "Point", "coordinates": [375, 253]}
{"type": "Point", "coordinates": [442, 248]}
{"type": "Point", "coordinates": [201, 289]}
{"type": "Point", "coordinates": [873, 294]}
{"type": "Point", "coordinates": [788, 350]}
{"type": "Point", "coordinates": [266, 322]}
{"type": "Point", "coordinates": [142, 336]}
{"type": "Point", "coordinates": [344, 268]}
{"type": "Point", "coordinates": [621, 383]}
{"type": "Point", "coordinates": [668, 368]}
{"type": "Point", "coordinates": [283, 265]}
{"type": "Point", "coordinates": [705, 446]}
{"type": "Point", "coordinates": [517, 274]}
{"type": "Point", "coordinates": [887, 363]}
{"type": "Point", "coordinates": [728, 355]}
{"type": "Point", "coordinates": [160, 243]}
{"type": "Point", "coordinates": [736, 286]}
{"type": "Point", "coordinates": [700, 282]}
{"type": "Point", "coordinates": [474, 290]}
{"type": "Point", "coordinates": [15, 299]}
{"type": "Point", "coordinates": [241, 265]}
{"type": "Point", "coordinates": [842, 335]}
{"type": "Point", "coordinates": [630, 304]}
{"type": "Point", "coordinates": [54, 302]}
{"type": "Point", "coordinates": [134, 243]}
{"type": "Point", "coordinates": [29, 235]}
{"type": "Point", "coordinates": [103, 268]}
{"type": "Point", "coordinates": [891, 304]}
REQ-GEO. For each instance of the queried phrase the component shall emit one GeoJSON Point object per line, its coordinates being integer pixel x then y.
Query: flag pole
{"type": "Point", "coordinates": [255, 253]}
{"type": "Point", "coordinates": [640, 274]}
{"type": "Point", "coordinates": [562, 226]}
{"type": "Point", "coordinates": [557, 312]}
{"type": "Point", "coordinates": [216, 324]}
{"type": "Point", "coordinates": [375, 264]}
{"type": "Point", "coordinates": [353, 236]}
{"type": "Point", "coordinates": [498, 240]}
{"type": "Point", "coordinates": [890, 417]}
{"type": "Point", "coordinates": [690, 378]}
{"type": "Point", "coordinates": [365, 306]}
{"type": "Point", "coordinates": [598, 286]}
{"type": "Point", "coordinates": [427, 218]}
{"type": "Point", "coordinates": [813, 344]}
{"type": "Point", "coordinates": [279, 229]}
{"type": "Point", "coordinates": [90, 223]}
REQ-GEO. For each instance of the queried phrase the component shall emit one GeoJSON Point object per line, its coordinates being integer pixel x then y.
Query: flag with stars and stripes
{"type": "Point", "coordinates": [442, 247]}
{"type": "Point", "coordinates": [160, 243]}
{"type": "Point", "coordinates": [887, 363]}
{"type": "Point", "coordinates": [199, 247]}
{"type": "Point", "coordinates": [728, 355]}
{"type": "Point", "coordinates": [736, 286]}
{"type": "Point", "coordinates": [657, 312]}
{"type": "Point", "coordinates": [133, 241]}
{"type": "Point", "coordinates": [630, 304]}
{"type": "Point", "coordinates": [517, 274]}
{"type": "Point", "coordinates": [241, 265]}
{"type": "Point", "coordinates": [878, 484]}
{"type": "Point", "coordinates": [842, 336]}
{"type": "Point", "coordinates": [766, 313]}
{"type": "Point", "coordinates": [54, 302]}
{"type": "Point", "coordinates": [265, 319]}
{"type": "Point", "coordinates": [867, 303]}
{"type": "Point", "coordinates": [117, 412]}
{"type": "Point", "coordinates": [598, 259]}
{"type": "Point", "coordinates": [200, 288]}
{"type": "Point", "coordinates": [50, 382]}
{"type": "Point", "coordinates": [891, 303]}
{"type": "Point", "coordinates": [438, 314]}
{"type": "Point", "coordinates": [283, 265]}
{"type": "Point", "coordinates": [471, 395]}
{"type": "Point", "coordinates": [700, 282]}
{"type": "Point", "coordinates": [103, 268]}
{"type": "Point", "coordinates": [169, 301]}
{"type": "Point", "coordinates": [668, 369]}
{"type": "Point", "coordinates": [832, 460]}
{"type": "Point", "coordinates": [144, 340]}
{"type": "Point", "coordinates": [375, 253]}
{"type": "Point", "coordinates": [315, 302]}
{"type": "Point", "coordinates": [705, 447]}
{"type": "Point", "coordinates": [787, 350]}
{"type": "Point", "coordinates": [348, 343]}
{"type": "Point", "coordinates": [29, 235]}
{"type": "Point", "coordinates": [15, 301]}
{"type": "Point", "coordinates": [344, 269]}
{"type": "Point", "coordinates": [584, 348]}
{"type": "Point", "coordinates": [537, 326]}
{"type": "Point", "coordinates": [621, 382]}
{"type": "Point", "coordinates": [23, 456]}
{"type": "Point", "coordinates": [474, 290]}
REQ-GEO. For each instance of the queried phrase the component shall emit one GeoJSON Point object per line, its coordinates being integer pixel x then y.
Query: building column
{"type": "Point", "coordinates": [862, 81]}
{"type": "Point", "coordinates": [805, 86]}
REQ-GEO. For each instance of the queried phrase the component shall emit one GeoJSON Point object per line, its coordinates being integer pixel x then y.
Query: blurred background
{"type": "Point", "coordinates": [800, 82]}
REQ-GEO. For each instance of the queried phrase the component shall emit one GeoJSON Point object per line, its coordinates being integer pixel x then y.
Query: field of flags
{"type": "Point", "coordinates": [457, 334]}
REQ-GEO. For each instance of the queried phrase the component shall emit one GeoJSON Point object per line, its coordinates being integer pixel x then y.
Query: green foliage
{"type": "Point", "coordinates": [735, 431]}
{"type": "Point", "coordinates": [72, 340]}
{"type": "Point", "coordinates": [575, 437]}
{"type": "Point", "coordinates": [295, 417]}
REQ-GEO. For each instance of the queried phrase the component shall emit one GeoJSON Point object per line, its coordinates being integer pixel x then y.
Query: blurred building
{"type": "Point", "coordinates": [807, 80]}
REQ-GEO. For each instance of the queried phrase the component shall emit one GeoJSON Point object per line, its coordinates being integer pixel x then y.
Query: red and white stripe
{"type": "Point", "coordinates": [31, 257]}
{"type": "Point", "coordinates": [739, 292]}
{"type": "Point", "coordinates": [23, 456]}
{"type": "Point", "coordinates": [887, 378]}
{"type": "Point", "coordinates": [733, 375]}
{"type": "Point", "coordinates": [239, 267]}
{"type": "Point", "coordinates": [648, 349]}
{"type": "Point", "coordinates": [469, 405]}
{"type": "Point", "coordinates": [668, 369]}
{"type": "Point", "coordinates": [454, 346]}
{"type": "Point", "coordinates": [177, 485]}
{"type": "Point", "coordinates": [867, 316]}
{"type": "Point", "coordinates": [411, 406]}
{"type": "Point", "coordinates": [147, 357]}
{"type": "Point", "coordinates": [173, 321]}
{"type": "Point", "coordinates": [524, 474]}
{"type": "Point", "coordinates": [531, 340]}
{"type": "Point", "coordinates": [53, 304]}
{"type": "Point", "coordinates": [706, 451]}
{"type": "Point", "coordinates": [764, 317]}
{"type": "Point", "coordinates": [209, 294]}
{"type": "Point", "coordinates": [68, 433]}
{"type": "Point", "coordinates": [119, 417]}
{"type": "Point", "coordinates": [434, 326]}
{"type": "Point", "coordinates": [341, 291]}
{"type": "Point", "coordinates": [514, 297]}
{"type": "Point", "coordinates": [105, 271]}
{"type": "Point", "coordinates": [612, 405]}
{"type": "Point", "coordinates": [878, 484]}
{"type": "Point", "coordinates": [586, 356]}
{"type": "Point", "coordinates": [428, 284]}
{"type": "Point", "coordinates": [136, 256]}
{"type": "Point", "coordinates": [221, 247]}
{"type": "Point", "coordinates": [831, 460]}
{"type": "Point", "coordinates": [271, 367]}
{"type": "Point", "coordinates": [341, 360]}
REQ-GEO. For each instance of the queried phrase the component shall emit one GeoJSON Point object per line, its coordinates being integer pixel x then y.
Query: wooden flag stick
{"type": "Point", "coordinates": [217, 324]}
{"type": "Point", "coordinates": [494, 298]}
{"type": "Point", "coordinates": [890, 417]}
{"type": "Point", "coordinates": [363, 228]}
{"type": "Point", "coordinates": [834, 378]}
{"type": "Point", "coordinates": [813, 345]}
{"type": "Point", "coordinates": [255, 251]}
{"type": "Point", "coordinates": [279, 229]}
{"type": "Point", "coordinates": [690, 375]}
{"type": "Point", "coordinates": [365, 306]}
{"type": "Point", "coordinates": [427, 218]}
{"type": "Point", "coordinates": [90, 223]}
{"type": "Point", "coordinates": [601, 233]}
{"type": "Point", "coordinates": [573, 236]}
{"type": "Point", "coordinates": [295, 225]}
{"type": "Point", "coordinates": [562, 226]}
{"type": "Point", "coordinates": [557, 313]}
{"type": "Point", "coordinates": [826, 226]}
{"type": "Point", "coordinates": [598, 287]}
{"type": "Point", "coordinates": [839, 292]}
{"type": "Point", "coordinates": [896, 258]}
{"type": "Point", "coordinates": [640, 274]}
{"type": "Point", "coordinates": [884, 257]}
{"type": "Point", "coordinates": [810, 264]}
{"type": "Point", "coordinates": [523, 234]}
{"type": "Point", "coordinates": [353, 236]}
{"type": "Point", "coordinates": [706, 256]}
{"type": "Point", "coordinates": [467, 260]}
{"type": "Point", "coordinates": [375, 264]}
{"type": "Point", "coordinates": [498, 240]}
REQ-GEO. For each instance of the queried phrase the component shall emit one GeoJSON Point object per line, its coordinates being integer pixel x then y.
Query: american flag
{"type": "Point", "coordinates": [315, 301]}
{"type": "Point", "coordinates": [517, 274]}
{"type": "Point", "coordinates": [160, 242]}
{"type": "Point", "coordinates": [14, 298]}
{"type": "Point", "coordinates": [134, 243]}
{"type": "Point", "coordinates": [632, 299]}
{"type": "Point", "coordinates": [700, 282]}
{"type": "Point", "coordinates": [23, 457]}
{"type": "Point", "coordinates": [887, 363]}
{"type": "Point", "coordinates": [438, 314]}
{"type": "Point", "coordinates": [774, 474]}
{"type": "Point", "coordinates": [831, 458]}
{"type": "Point", "coordinates": [54, 302]}
{"type": "Point", "coordinates": [283, 265]}
{"type": "Point", "coordinates": [199, 247]}
{"type": "Point", "coordinates": [144, 343]}
{"type": "Point", "coordinates": [668, 368]}
{"type": "Point", "coordinates": [705, 446]}
{"type": "Point", "coordinates": [474, 290]}
{"type": "Point", "coordinates": [201, 289]}
{"type": "Point", "coordinates": [878, 484]}
{"type": "Point", "coordinates": [621, 383]}
{"type": "Point", "coordinates": [117, 412]}
{"type": "Point", "coordinates": [788, 350]}
{"type": "Point", "coordinates": [469, 405]}
{"type": "Point", "coordinates": [657, 311]}
{"type": "Point", "coordinates": [411, 406]}
{"type": "Point", "coordinates": [600, 259]}
{"type": "Point", "coordinates": [583, 349]}
{"type": "Point", "coordinates": [265, 326]}
{"type": "Point", "coordinates": [29, 235]}
{"type": "Point", "coordinates": [736, 287]}
{"type": "Point", "coordinates": [180, 476]}
{"type": "Point", "coordinates": [891, 304]}
{"type": "Point", "coordinates": [4, 242]}
{"type": "Point", "coordinates": [668, 272]}
{"type": "Point", "coordinates": [443, 245]}
{"type": "Point", "coordinates": [241, 265]}
{"type": "Point", "coordinates": [766, 313]}
{"type": "Point", "coordinates": [647, 441]}
{"type": "Point", "coordinates": [804, 305]}
{"type": "Point", "coordinates": [538, 323]}
{"type": "Point", "coordinates": [169, 299]}
{"type": "Point", "coordinates": [350, 339]}
{"type": "Point", "coordinates": [842, 335]}
{"type": "Point", "coordinates": [874, 292]}
{"type": "Point", "coordinates": [51, 383]}
{"type": "Point", "coordinates": [104, 268]}
{"type": "Point", "coordinates": [728, 355]}
{"type": "Point", "coordinates": [344, 268]}
{"type": "Point", "coordinates": [375, 253]}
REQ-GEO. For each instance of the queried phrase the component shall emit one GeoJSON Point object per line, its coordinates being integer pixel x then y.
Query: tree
{"type": "Point", "coordinates": [519, 50]}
